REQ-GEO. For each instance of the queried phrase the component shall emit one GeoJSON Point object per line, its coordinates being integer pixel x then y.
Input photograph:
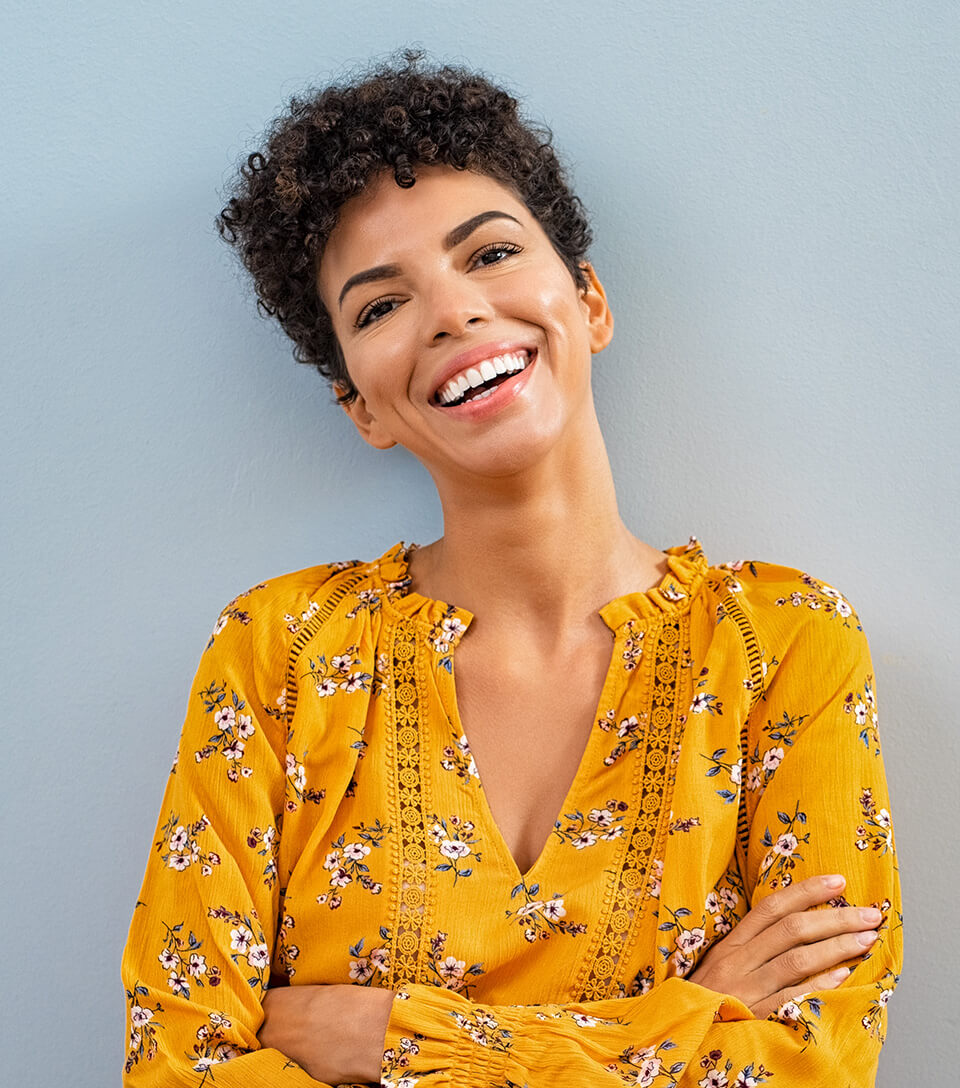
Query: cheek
{"type": "Point", "coordinates": [555, 305]}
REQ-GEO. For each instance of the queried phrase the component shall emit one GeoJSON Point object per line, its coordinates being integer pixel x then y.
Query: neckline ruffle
{"type": "Point", "coordinates": [686, 567]}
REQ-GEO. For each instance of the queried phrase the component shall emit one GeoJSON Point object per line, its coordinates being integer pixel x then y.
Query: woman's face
{"type": "Point", "coordinates": [462, 329]}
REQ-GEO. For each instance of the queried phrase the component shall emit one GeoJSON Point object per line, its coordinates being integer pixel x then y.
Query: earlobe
{"type": "Point", "coordinates": [597, 310]}
{"type": "Point", "coordinates": [365, 422]}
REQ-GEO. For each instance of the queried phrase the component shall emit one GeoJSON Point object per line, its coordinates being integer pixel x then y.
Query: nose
{"type": "Point", "coordinates": [454, 306]}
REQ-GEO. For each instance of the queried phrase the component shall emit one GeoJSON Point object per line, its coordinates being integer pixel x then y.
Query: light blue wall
{"type": "Point", "coordinates": [774, 191]}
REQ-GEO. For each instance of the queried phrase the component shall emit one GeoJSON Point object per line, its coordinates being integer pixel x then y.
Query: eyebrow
{"type": "Point", "coordinates": [459, 234]}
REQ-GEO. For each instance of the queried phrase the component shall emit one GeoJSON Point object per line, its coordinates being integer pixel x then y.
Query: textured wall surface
{"type": "Point", "coordinates": [774, 193]}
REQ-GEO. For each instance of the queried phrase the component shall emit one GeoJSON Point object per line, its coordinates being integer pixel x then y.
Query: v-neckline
{"type": "Point", "coordinates": [445, 624]}
{"type": "Point", "coordinates": [609, 690]}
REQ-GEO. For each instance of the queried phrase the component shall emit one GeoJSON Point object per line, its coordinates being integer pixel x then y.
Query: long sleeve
{"type": "Point", "coordinates": [816, 803]}
{"type": "Point", "coordinates": [201, 944]}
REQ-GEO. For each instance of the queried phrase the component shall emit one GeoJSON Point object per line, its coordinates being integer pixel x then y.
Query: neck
{"type": "Point", "coordinates": [539, 550]}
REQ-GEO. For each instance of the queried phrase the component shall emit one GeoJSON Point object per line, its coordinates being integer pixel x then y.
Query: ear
{"type": "Point", "coordinates": [596, 310]}
{"type": "Point", "coordinates": [364, 421]}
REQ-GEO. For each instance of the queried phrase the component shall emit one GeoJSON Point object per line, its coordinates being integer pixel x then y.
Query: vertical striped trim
{"type": "Point", "coordinates": [306, 633]}
{"type": "Point", "coordinates": [751, 647]}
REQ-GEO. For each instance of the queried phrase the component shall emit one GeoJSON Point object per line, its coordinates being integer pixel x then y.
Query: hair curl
{"type": "Point", "coordinates": [328, 145]}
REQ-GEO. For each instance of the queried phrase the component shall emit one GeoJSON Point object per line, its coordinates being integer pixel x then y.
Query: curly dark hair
{"type": "Point", "coordinates": [329, 144]}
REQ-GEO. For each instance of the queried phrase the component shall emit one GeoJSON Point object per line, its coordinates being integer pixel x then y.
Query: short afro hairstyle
{"type": "Point", "coordinates": [328, 145]}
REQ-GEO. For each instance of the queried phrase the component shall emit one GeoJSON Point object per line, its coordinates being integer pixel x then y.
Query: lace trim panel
{"type": "Point", "coordinates": [412, 894]}
{"type": "Point", "coordinates": [606, 968]}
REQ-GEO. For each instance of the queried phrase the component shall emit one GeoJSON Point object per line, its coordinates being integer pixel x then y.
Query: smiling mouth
{"type": "Point", "coordinates": [480, 381]}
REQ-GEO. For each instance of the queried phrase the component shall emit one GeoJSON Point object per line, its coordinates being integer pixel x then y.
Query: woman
{"type": "Point", "coordinates": [679, 762]}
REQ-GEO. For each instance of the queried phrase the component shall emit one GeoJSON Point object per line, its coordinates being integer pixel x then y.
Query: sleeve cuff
{"type": "Point", "coordinates": [436, 1037]}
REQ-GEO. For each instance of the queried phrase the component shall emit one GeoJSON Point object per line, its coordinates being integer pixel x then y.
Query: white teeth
{"type": "Point", "coordinates": [487, 370]}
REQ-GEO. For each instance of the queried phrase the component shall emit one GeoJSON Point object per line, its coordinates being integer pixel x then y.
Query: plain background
{"type": "Point", "coordinates": [773, 187]}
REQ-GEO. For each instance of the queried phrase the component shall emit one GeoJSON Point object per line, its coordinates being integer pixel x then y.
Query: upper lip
{"type": "Point", "coordinates": [475, 356]}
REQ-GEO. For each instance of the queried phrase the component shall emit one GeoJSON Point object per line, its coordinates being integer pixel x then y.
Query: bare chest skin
{"type": "Point", "coordinates": [527, 720]}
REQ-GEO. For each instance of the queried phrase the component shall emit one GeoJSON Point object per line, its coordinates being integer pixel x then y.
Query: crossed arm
{"type": "Point", "coordinates": [781, 950]}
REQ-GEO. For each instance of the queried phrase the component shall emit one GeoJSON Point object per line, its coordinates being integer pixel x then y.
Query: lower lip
{"type": "Point", "coordinates": [502, 395]}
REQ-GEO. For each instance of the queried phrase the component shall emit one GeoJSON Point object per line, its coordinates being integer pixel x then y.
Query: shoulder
{"type": "Point", "coordinates": [256, 631]}
{"type": "Point", "coordinates": [790, 618]}
{"type": "Point", "coordinates": [289, 601]}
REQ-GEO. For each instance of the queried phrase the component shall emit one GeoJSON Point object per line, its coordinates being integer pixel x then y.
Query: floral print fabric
{"type": "Point", "coordinates": [325, 823]}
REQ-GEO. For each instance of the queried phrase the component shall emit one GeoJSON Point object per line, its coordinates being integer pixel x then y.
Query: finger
{"type": "Point", "coordinates": [806, 961]}
{"type": "Point", "coordinates": [790, 900]}
{"type": "Point", "coordinates": [827, 980]}
{"type": "Point", "coordinates": [805, 928]}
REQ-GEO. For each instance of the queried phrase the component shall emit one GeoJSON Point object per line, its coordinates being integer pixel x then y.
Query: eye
{"type": "Point", "coordinates": [494, 253]}
{"type": "Point", "coordinates": [376, 310]}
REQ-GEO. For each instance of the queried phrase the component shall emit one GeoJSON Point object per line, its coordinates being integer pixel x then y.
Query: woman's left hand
{"type": "Point", "coordinates": [335, 1033]}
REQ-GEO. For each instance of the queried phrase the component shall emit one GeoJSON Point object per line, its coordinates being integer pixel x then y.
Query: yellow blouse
{"type": "Point", "coordinates": [325, 823]}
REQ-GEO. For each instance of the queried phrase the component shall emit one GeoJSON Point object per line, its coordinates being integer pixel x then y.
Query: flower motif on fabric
{"type": "Point", "coordinates": [642, 983]}
{"type": "Point", "coordinates": [648, 1066]}
{"type": "Point", "coordinates": [394, 1069]}
{"type": "Point", "coordinates": [344, 672]}
{"type": "Point", "coordinates": [751, 684]}
{"type": "Point", "coordinates": [267, 845]}
{"type": "Point", "coordinates": [185, 964]}
{"type": "Point", "coordinates": [233, 612]}
{"type": "Point", "coordinates": [819, 597]}
{"type": "Point", "coordinates": [632, 646]}
{"type": "Point", "coordinates": [143, 1028]}
{"type": "Point", "coordinates": [689, 941]}
{"type": "Point", "coordinates": [247, 943]}
{"type": "Point", "coordinates": [629, 731]}
{"type": "Point", "coordinates": [347, 864]}
{"type": "Point", "coordinates": [863, 707]}
{"type": "Point", "coordinates": [801, 1014]}
{"type": "Point", "coordinates": [541, 918]}
{"type": "Point", "coordinates": [371, 967]}
{"type": "Point", "coordinates": [782, 733]}
{"type": "Point", "coordinates": [296, 623]}
{"type": "Point", "coordinates": [381, 669]}
{"type": "Point", "coordinates": [704, 701]}
{"type": "Point", "coordinates": [455, 842]}
{"type": "Point", "coordinates": [287, 953]}
{"type": "Point", "coordinates": [655, 878]}
{"type": "Point", "coordinates": [448, 971]}
{"type": "Point", "coordinates": [783, 852]}
{"type": "Point", "coordinates": [368, 600]}
{"type": "Point", "coordinates": [875, 1019]}
{"type": "Point", "coordinates": [484, 1029]}
{"type": "Point", "coordinates": [179, 848]}
{"type": "Point", "coordinates": [683, 825]}
{"type": "Point", "coordinates": [733, 771]}
{"type": "Point", "coordinates": [234, 729]}
{"type": "Point", "coordinates": [211, 1048]}
{"type": "Point", "coordinates": [876, 831]}
{"type": "Point", "coordinates": [599, 825]}
{"type": "Point", "coordinates": [278, 711]}
{"type": "Point", "coordinates": [458, 757]}
{"type": "Point", "coordinates": [723, 903]}
{"type": "Point", "coordinates": [296, 775]}
{"type": "Point", "coordinates": [717, 1076]}
{"type": "Point", "coordinates": [444, 636]}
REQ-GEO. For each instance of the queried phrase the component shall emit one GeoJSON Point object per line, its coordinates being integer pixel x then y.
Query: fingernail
{"type": "Point", "coordinates": [867, 939]}
{"type": "Point", "coordinates": [840, 974]}
{"type": "Point", "coordinates": [835, 881]}
{"type": "Point", "coordinates": [871, 916]}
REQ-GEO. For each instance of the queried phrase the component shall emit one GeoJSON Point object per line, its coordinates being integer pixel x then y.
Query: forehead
{"type": "Point", "coordinates": [384, 222]}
